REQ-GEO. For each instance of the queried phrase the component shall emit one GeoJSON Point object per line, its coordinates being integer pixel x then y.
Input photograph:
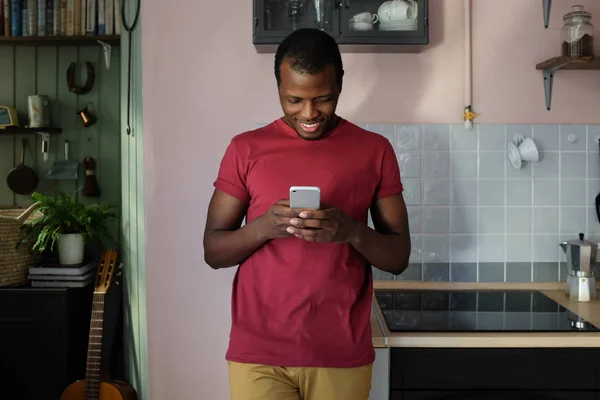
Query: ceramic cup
{"type": "Point", "coordinates": [365, 17]}
{"type": "Point", "coordinates": [522, 149]}
{"type": "Point", "coordinates": [527, 148]}
{"type": "Point", "coordinates": [528, 151]}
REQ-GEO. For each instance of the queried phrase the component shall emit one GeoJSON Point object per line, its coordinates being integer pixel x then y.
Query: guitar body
{"type": "Point", "coordinates": [113, 390]}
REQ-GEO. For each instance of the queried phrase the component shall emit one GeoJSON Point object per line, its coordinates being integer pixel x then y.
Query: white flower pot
{"type": "Point", "coordinates": [70, 248]}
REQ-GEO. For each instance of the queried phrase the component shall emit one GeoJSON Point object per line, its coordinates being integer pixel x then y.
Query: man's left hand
{"type": "Point", "coordinates": [326, 225]}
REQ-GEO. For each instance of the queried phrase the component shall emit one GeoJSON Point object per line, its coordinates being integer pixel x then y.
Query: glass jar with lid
{"type": "Point", "coordinates": [577, 33]}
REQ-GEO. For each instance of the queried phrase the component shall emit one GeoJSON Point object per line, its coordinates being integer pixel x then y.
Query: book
{"type": "Point", "coordinates": [7, 18]}
{"type": "Point", "coordinates": [72, 284]}
{"type": "Point", "coordinates": [62, 277]}
{"type": "Point", "coordinates": [64, 270]}
{"type": "Point", "coordinates": [2, 17]}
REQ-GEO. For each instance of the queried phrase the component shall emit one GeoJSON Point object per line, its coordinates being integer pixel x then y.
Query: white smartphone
{"type": "Point", "coordinates": [305, 197]}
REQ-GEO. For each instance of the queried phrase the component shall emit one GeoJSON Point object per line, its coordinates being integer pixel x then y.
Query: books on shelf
{"type": "Point", "coordinates": [22, 18]}
{"type": "Point", "coordinates": [79, 275]}
{"type": "Point", "coordinates": [62, 284]}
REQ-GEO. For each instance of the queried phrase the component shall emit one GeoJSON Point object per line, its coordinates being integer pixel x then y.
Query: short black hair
{"type": "Point", "coordinates": [309, 50]}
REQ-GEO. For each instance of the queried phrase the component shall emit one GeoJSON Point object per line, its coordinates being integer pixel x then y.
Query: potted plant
{"type": "Point", "coordinates": [66, 225]}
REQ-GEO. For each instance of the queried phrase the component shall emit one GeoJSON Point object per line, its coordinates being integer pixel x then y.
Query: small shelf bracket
{"type": "Point", "coordinates": [547, 4]}
{"type": "Point", "coordinates": [548, 80]}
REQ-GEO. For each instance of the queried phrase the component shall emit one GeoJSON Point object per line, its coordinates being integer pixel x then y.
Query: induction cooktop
{"type": "Point", "coordinates": [468, 311]}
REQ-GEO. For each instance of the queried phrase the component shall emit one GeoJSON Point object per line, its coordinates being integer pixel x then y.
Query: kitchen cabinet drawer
{"type": "Point", "coordinates": [498, 395]}
{"type": "Point", "coordinates": [509, 369]}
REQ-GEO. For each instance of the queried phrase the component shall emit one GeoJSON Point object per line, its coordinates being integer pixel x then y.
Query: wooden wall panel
{"type": "Point", "coordinates": [132, 175]}
{"type": "Point", "coordinates": [120, 168]}
{"type": "Point", "coordinates": [7, 143]}
{"type": "Point", "coordinates": [27, 70]}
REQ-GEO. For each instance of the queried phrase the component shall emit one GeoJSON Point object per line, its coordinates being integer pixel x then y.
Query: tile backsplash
{"type": "Point", "coordinates": [474, 217]}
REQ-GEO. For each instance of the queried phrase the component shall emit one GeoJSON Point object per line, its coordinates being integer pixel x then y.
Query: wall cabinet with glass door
{"type": "Point", "coordinates": [350, 22]}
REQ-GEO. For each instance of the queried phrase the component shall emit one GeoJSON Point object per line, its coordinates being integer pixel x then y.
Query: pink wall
{"type": "Point", "coordinates": [203, 82]}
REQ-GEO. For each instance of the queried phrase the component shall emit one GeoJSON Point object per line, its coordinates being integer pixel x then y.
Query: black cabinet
{"type": "Point", "coordinates": [275, 19]}
{"type": "Point", "coordinates": [43, 339]}
{"type": "Point", "coordinates": [521, 373]}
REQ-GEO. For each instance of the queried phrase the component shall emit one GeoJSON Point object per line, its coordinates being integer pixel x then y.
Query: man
{"type": "Point", "coordinates": [302, 295]}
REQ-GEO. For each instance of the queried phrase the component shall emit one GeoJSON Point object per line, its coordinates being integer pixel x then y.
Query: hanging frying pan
{"type": "Point", "coordinates": [22, 179]}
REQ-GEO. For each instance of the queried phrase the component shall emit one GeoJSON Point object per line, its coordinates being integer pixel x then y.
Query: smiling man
{"type": "Point", "coordinates": [302, 294]}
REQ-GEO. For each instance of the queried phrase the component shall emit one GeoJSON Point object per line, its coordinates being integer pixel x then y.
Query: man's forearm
{"type": "Point", "coordinates": [225, 248]}
{"type": "Point", "coordinates": [388, 252]}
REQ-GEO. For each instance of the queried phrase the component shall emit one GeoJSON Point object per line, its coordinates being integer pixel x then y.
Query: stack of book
{"type": "Point", "coordinates": [60, 17]}
{"type": "Point", "coordinates": [79, 275]}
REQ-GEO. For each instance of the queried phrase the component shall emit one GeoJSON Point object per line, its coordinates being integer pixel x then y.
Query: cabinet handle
{"type": "Point", "coordinates": [336, 4]}
{"type": "Point", "coordinates": [347, 3]}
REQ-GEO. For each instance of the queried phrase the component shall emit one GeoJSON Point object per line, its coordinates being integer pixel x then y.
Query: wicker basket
{"type": "Point", "coordinates": [15, 262]}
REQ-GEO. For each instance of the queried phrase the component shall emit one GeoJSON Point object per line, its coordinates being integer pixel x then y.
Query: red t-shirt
{"type": "Point", "coordinates": [297, 303]}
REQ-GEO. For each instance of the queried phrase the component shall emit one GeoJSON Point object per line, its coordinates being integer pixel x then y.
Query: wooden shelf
{"type": "Point", "coordinates": [58, 40]}
{"type": "Point", "coordinates": [21, 131]}
{"type": "Point", "coordinates": [550, 66]}
{"type": "Point", "coordinates": [586, 63]}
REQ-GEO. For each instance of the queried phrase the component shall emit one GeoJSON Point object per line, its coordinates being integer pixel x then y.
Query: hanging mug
{"type": "Point", "coordinates": [87, 116]}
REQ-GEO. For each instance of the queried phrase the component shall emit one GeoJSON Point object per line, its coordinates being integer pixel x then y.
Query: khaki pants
{"type": "Point", "coordinates": [264, 382]}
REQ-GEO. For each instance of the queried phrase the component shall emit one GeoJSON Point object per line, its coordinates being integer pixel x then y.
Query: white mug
{"type": "Point", "coordinates": [522, 149]}
{"type": "Point", "coordinates": [528, 150]}
{"type": "Point", "coordinates": [365, 17]}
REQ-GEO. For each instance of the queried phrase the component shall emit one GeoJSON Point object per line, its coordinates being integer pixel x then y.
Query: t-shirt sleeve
{"type": "Point", "coordinates": [231, 178]}
{"type": "Point", "coordinates": [390, 182]}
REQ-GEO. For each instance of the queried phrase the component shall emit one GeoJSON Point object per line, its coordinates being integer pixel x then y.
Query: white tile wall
{"type": "Point", "coordinates": [466, 202]}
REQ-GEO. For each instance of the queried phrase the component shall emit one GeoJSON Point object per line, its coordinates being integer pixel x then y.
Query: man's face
{"type": "Point", "coordinates": [309, 101]}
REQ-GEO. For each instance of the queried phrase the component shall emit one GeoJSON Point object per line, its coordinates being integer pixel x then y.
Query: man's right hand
{"type": "Point", "coordinates": [276, 220]}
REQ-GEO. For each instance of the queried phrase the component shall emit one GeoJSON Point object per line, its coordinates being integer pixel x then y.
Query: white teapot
{"type": "Point", "coordinates": [397, 10]}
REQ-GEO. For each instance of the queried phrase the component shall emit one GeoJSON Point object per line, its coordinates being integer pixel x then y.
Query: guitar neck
{"type": "Point", "coordinates": [94, 354]}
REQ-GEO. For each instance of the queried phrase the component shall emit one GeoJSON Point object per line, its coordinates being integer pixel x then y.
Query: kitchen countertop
{"type": "Point", "coordinates": [589, 311]}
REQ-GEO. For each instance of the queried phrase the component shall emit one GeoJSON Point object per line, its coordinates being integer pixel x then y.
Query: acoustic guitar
{"type": "Point", "coordinates": [92, 387]}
